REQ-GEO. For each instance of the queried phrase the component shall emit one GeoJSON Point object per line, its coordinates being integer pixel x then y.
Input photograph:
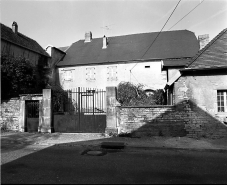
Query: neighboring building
{"type": "Point", "coordinates": [56, 56]}
{"type": "Point", "coordinates": [14, 43]}
{"type": "Point", "coordinates": [172, 66]}
{"type": "Point", "coordinates": [102, 62]}
{"type": "Point", "coordinates": [203, 87]}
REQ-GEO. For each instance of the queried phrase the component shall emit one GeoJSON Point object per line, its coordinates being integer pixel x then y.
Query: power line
{"type": "Point", "coordinates": [186, 14]}
{"type": "Point", "coordinates": [158, 33]}
{"type": "Point", "coordinates": [135, 77]}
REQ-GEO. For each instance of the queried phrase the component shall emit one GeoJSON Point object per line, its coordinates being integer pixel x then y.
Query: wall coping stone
{"type": "Point", "coordinates": [31, 95]}
{"type": "Point", "coordinates": [151, 106]}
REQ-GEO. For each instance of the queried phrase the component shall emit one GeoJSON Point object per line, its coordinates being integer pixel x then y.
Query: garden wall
{"type": "Point", "coordinates": [183, 119]}
{"type": "Point", "coordinates": [10, 114]}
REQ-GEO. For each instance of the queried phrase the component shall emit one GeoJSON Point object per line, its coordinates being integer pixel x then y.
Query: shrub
{"type": "Point", "coordinates": [129, 94]}
{"type": "Point", "coordinates": [19, 76]}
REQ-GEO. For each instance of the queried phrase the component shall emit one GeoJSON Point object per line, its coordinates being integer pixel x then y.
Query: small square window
{"type": "Point", "coordinates": [147, 66]}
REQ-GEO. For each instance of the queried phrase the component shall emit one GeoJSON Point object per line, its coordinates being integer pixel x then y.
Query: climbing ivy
{"type": "Point", "coordinates": [19, 76]}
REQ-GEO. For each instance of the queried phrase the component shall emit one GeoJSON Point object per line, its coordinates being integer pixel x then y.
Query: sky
{"type": "Point", "coordinates": [61, 23]}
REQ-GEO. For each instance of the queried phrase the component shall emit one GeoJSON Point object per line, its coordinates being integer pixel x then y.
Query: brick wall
{"type": "Point", "coordinates": [152, 121]}
{"type": "Point", "coordinates": [10, 113]}
{"type": "Point", "coordinates": [183, 119]}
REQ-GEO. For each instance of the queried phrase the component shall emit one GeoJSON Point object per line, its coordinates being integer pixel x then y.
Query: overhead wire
{"type": "Point", "coordinates": [158, 34]}
{"type": "Point", "coordinates": [186, 14]}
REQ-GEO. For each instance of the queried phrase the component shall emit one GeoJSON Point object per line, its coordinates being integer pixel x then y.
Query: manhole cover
{"type": "Point", "coordinates": [94, 152]}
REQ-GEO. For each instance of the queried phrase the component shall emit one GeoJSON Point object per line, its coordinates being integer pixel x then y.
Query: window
{"type": "Point", "coordinates": [90, 73]}
{"type": "Point", "coordinates": [222, 100]}
{"type": "Point", "coordinates": [112, 73]}
{"type": "Point", "coordinates": [147, 66]}
{"type": "Point", "coordinates": [68, 75]}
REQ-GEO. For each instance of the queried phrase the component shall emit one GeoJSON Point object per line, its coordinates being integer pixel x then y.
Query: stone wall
{"type": "Point", "coordinates": [183, 119]}
{"type": "Point", "coordinates": [10, 113]}
{"type": "Point", "coordinates": [13, 112]}
{"type": "Point", "coordinates": [152, 121]}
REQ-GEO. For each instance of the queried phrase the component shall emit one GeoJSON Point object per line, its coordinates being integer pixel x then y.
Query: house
{"type": "Point", "coordinates": [173, 66]}
{"type": "Point", "coordinates": [14, 43]}
{"type": "Point", "coordinates": [136, 58]}
{"type": "Point", "coordinates": [202, 86]}
{"type": "Point", "coordinates": [17, 44]}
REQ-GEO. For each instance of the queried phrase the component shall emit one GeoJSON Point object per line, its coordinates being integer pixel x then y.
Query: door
{"type": "Point", "coordinates": [32, 116]}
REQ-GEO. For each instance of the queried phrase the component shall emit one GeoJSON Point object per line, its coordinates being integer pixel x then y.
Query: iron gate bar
{"type": "Point", "coordinates": [93, 103]}
{"type": "Point", "coordinates": [32, 109]}
{"type": "Point", "coordinates": [79, 105]}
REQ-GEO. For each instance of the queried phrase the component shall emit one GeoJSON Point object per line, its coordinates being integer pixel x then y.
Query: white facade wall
{"type": "Point", "coordinates": [101, 76]}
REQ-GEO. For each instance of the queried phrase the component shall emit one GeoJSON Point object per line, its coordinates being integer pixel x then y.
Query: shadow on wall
{"type": "Point", "coordinates": [183, 119]}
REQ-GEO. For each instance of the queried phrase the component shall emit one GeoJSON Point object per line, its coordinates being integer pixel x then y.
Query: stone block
{"type": "Point", "coordinates": [46, 93]}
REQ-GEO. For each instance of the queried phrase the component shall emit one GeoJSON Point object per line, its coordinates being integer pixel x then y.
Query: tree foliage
{"type": "Point", "coordinates": [19, 77]}
{"type": "Point", "coordinates": [159, 97]}
{"type": "Point", "coordinates": [129, 94]}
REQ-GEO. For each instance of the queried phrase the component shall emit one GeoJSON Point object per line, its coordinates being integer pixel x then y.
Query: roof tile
{"type": "Point", "coordinates": [169, 44]}
{"type": "Point", "coordinates": [22, 40]}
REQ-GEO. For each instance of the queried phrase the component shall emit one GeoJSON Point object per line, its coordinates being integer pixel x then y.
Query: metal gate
{"type": "Point", "coordinates": [85, 111]}
{"type": "Point", "coordinates": [32, 115]}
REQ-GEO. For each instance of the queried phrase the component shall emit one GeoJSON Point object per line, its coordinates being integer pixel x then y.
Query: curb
{"type": "Point", "coordinates": [128, 147]}
{"type": "Point", "coordinates": [178, 148]}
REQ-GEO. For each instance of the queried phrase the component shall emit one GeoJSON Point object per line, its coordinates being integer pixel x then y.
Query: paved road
{"type": "Point", "coordinates": [65, 164]}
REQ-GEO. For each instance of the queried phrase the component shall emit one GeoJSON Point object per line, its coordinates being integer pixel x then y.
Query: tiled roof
{"type": "Point", "coordinates": [21, 40]}
{"type": "Point", "coordinates": [177, 62]}
{"type": "Point", "coordinates": [213, 55]}
{"type": "Point", "coordinates": [169, 44]}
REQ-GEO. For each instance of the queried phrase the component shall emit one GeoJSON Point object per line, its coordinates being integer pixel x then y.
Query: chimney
{"type": "Point", "coordinates": [15, 27]}
{"type": "Point", "coordinates": [88, 37]}
{"type": "Point", "coordinates": [203, 40]}
{"type": "Point", "coordinates": [105, 43]}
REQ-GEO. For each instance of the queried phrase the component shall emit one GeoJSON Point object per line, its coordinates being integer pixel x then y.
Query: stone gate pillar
{"type": "Point", "coordinates": [45, 124]}
{"type": "Point", "coordinates": [22, 126]}
{"type": "Point", "coordinates": [111, 111]}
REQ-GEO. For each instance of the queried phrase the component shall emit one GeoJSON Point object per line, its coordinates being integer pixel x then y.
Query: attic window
{"type": "Point", "coordinates": [147, 66]}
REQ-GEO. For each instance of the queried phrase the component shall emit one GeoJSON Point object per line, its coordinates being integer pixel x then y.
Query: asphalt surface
{"type": "Point", "coordinates": [81, 159]}
{"type": "Point", "coordinates": [62, 164]}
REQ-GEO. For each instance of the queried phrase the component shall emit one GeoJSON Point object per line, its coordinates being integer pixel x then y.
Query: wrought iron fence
{"type": "Point", "coordinates": [77, 100]}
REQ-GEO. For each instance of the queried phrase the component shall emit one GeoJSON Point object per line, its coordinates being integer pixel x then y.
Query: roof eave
{"type": "Point", "coordinates": [26, 48]}
{"type": "Point", "coordinates": [204, 69]}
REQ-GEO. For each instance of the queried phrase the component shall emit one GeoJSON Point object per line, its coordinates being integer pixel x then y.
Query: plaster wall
{"type": "Point", "coordinates": [202, 90]}
{"type": "Point", "coordinates": [199, 94]}
{"type": "Point", "coordinates": [151, 76]}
